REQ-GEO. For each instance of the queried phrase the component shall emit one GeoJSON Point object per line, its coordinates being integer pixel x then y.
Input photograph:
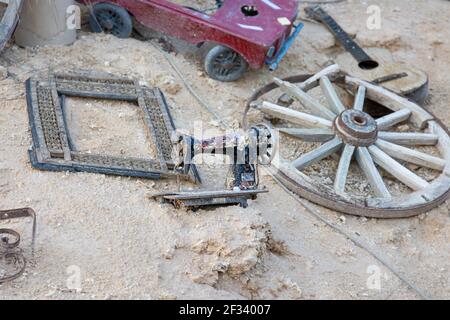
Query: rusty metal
{"type": "Point", "coordinates": [53, 149]}
{"type": "Point", "coordinates": [357, 128]}
{"type": "Point", "coordinates": [12, 259]}
{"type": "Point", "coordinates": [202, 199]}
{"type": "Point", "coordinates": [246, 152]}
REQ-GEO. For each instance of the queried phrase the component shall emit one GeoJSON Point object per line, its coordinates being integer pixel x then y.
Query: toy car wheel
{"type": "Point", "coordinates": [224, 64]}
{"type": "Point", "coordinates": [111, 19]}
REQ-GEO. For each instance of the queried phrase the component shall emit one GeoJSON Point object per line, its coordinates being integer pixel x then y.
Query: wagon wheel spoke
{"type": "Point", "coordinates": [397, 170]}
{"type": "Point", "coordinates": [344, 165]}
{"type": "Point", "coordinates": [305, 99]}
{"type": "Point", "coordinates": [411, 156]}
{"type": "Point", "coordinates": [330, 93]}
{"type": "Point", "coordinates": [311, 81]}
{"type": "Point", "coordinates": [309, 135]}
{"type": "Point", "coordinates": [367, 165]}
{"type": "Point", "coordinates": [360, 98]}
{"type": "Point", "coordinates": [409, 138]}
{"type": "Point", "coordinates": [318, 154]}
{"type": "Point", "coordinates": [296, 117]}
{"type": "Point", "coordinates": [392, 119]}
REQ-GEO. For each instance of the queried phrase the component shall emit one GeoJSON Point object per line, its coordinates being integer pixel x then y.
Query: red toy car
{"type": "Point", "coordinates": [245, 32]}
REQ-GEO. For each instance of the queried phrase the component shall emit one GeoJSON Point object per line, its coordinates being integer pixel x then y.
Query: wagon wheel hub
{"type": "Point", "coordinates": [356, 128]}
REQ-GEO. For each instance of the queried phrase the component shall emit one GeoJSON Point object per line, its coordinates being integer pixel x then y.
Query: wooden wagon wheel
{"type": "Point", "coordinates": [377, 146]}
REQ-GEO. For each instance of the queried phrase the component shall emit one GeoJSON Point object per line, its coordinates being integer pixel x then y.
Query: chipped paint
{"type": "Point", "coordinates": [271, 4]}
{"type": "Point", "coordinates": [284, 21]}
{"type": "Point", "coordinates": [245, 26]}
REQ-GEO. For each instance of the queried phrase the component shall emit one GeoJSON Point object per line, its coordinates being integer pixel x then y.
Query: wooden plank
{"type": "Point", "coordinates": [397, 170]}
{"type": "Point", "coordinates": [311, 135]}
{"type": "Point", "coordinates": [409, 138]}
{"type": "Point", "coordinates": [305, 99]}
{"type": "Point", "coordinates": [411, 156]}
{"type": "Point", "coordinates": [371, 172]}
{"type": "Point", "coordinates": [208, 194]}
{"type": "Point", "coordinates": [344, 165]}
{"type": "Point", "coordinates": [330, 93]}
{"type": "Point", "coordinates": [392, 101]}
{"type": "Point", "coordinates": [293, 116]}
{"type": "Point", "coordinates": [360, 98]}
{"type": "Point", "coordinates": [318, 154]}
{"type": "Point", "coordinates": [392, 119]}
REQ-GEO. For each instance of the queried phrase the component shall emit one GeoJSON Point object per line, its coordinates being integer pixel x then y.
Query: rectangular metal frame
{"type": "Point", "coordinates": [52, 148]}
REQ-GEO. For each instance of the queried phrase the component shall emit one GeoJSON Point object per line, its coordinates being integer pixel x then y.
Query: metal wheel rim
{"type": "Point", "coordinates": [227, 63]}
{"type": "Point", "coordinates": [110, 21]}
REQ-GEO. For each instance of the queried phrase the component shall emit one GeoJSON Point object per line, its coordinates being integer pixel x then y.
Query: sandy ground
{"type": "Point", "coordinates": [125, 246]}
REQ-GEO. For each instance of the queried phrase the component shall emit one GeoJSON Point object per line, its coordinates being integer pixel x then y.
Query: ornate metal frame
{"type": "Point", "coordinates": [52, 147]}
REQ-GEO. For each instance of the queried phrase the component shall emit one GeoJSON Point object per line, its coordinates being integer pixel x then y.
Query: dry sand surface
{"type": "Point", "coordinates": [127, 246]}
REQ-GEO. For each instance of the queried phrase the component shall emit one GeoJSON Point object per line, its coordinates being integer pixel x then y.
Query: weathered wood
{"type": "Point", "coordinates": [360, 98]}
{"type": "Point", "coordinates": [314, 80]}
{"type": "Point", "coordinates": [397, 170]}
{"type": "Point", "coordinates": [311, 135]}
{"type": "Point", "coordinates": [371, 172]}
{"type": "Point", "coordinates": [392, 119]}
{"type": "Point", "coordinates": [310, 83]}
{"type": "Point", "coordinates": [330, 93]}
{"type": "Point", "coordinates": [411, 156]}
{"type": "Point", "coordinates": [409, 138]}
{"type": "Point", "coordinates": [443, 144]}
{"type": "Point", "coordinates": [318, 154]}
{"type": "Point", "coordinates": [392, 101]}
{"type": "Point", "coordinates": [305, 99]}
{"type": "Point", "coordinates": [344, 165]}
{"type": "Point", "coordinates": [293, 116]}
{"type": "Point", "coordinates": [9, 20]}
{"type": "Point", "coordinates": [413, 85]}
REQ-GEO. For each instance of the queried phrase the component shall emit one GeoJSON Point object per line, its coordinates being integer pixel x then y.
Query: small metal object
{"type": "Point", "coordinates": [12, 260]}
{"type": "Point", "coordinates": [390, 77]}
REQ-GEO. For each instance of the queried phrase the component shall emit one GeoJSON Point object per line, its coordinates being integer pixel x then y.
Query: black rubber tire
{"type": "Point", "coordinates": [112, 19]}
{"type": "Point", "coordinates": [216, 68]}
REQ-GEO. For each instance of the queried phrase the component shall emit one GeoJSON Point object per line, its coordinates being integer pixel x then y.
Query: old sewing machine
{"type": "Point", "coordinates": [242, 32]}
{"type": "Point", "coordinates": [246, 151]}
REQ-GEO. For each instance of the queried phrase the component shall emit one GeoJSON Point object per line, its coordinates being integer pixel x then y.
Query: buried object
{"type": "Point", "coordinates": [12, 260]}
{"type": "Point", "coordinates": [375, 64]}
{"type": "Point", "coordinates": [403, 157]}
{"type": "Point", "coordinates": [53, 149]}
{"type": "Point", "coordinates": [246, 152]}
{"type": "Point", "coordinates": [9, 17]}
{"type": "Point", "coordinates": [242, 34]}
